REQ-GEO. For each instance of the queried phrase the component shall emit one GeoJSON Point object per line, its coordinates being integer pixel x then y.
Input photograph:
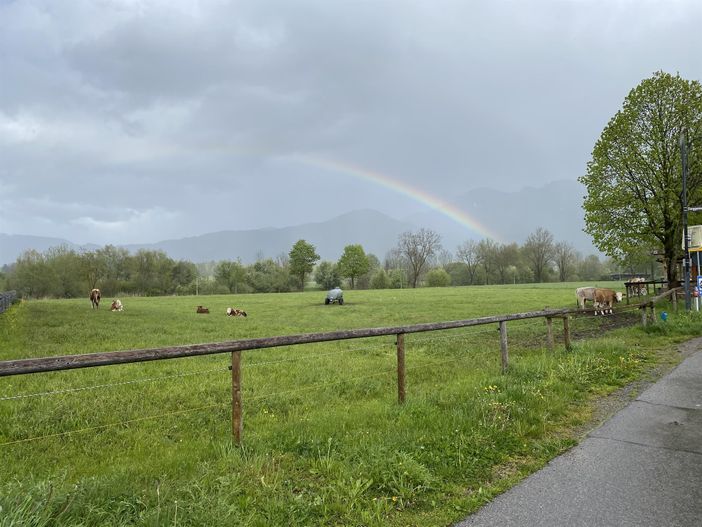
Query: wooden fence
{"type": "Point", "coordinates": [235, 347]}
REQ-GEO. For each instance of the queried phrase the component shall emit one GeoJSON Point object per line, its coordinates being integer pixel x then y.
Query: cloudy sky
{"type": "Point", "coordinates": [137, 121]}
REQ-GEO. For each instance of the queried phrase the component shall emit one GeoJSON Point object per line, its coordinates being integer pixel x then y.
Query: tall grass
{"type": "Point", "coordinates": [325, 442]}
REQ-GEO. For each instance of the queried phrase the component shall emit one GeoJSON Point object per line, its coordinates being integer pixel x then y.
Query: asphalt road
{"type": "Point", "coordinates": [643, 467]}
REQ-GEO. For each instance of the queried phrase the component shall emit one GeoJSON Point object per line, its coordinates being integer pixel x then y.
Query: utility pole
{"type": "Point", "coordinates": [686, 238]}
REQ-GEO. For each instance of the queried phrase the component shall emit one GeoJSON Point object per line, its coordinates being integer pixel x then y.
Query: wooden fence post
{"type": "Point", "coordinates": [503, 346]}
{"type": "Point", "coordinates": [401, 368]}
{"type": "Point", "coordinates": [643, 315]}
{"type": "Point", "coordinates": [653, 313]}
{"type": "Point", "coordinates": [237, 422]}
{"type": "Point", "coordinates": [549, 329]}
{"type": "Point", "coordinates": [675, 302]}
{"type": "Point", "coordinates": [566, 333]}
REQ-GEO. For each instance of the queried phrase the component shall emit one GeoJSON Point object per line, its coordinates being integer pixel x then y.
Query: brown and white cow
{"type": "Point", "coordinates": [95, 298]}
{"type": "Point", "coordinates": [605, 298]}
{"type": "Point", "coordinates": [233, 312]}
{"type": "Point", "coordinates": [116, 305]}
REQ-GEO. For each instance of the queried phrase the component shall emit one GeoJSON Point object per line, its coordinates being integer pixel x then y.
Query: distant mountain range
{"type": "Point", "coordinates": [508, 216]}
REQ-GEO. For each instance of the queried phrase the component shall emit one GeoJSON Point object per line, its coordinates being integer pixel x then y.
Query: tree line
{"type": "Point", "coordinates": [417, 260]}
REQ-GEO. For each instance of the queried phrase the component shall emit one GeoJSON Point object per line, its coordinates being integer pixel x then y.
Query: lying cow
{"type": "Point", "coordinates": [201, 309]}
{"type": "Point", "coordinates": [604, 299]}
{"type": "Point", "coordinates": [95, 298]}
{"type": "Point", "coordinates": [233, 312]}
{"type": "Point", "coordinates": [584, 293]}
{"type": "Point", "coordinates": [116, 305]}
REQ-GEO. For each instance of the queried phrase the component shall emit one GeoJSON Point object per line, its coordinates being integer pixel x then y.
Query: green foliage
{"type": "Point", "coordinates": [438, 278]}
{"type": "Point", "coordinates": [380, 280]}
{"type": "Point", "coordinates": [230, 274]}
{"type": "Point", "coordinates": [302, 260]}
{"type": "Point", "coordinates": [634, 179]}
{"type": "Point", "coordinates": [266, 276]}
{"type": "Point", "coordinates": [459, 273]}
{"type": "Point", "coordinates": [398, 278]}
{"type": "Point", "coordinates": [353, 263]}
{"type": "Point", "coordinates": [325, 442]}
{"type": "Point", "coordinates": [327, 275]}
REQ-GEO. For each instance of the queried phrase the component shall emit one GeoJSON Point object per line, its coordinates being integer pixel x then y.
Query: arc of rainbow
{"type": "Point", "coordinates": [444, 207]}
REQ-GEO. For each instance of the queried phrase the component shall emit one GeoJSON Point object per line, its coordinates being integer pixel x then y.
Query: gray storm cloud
{"type": "Point", "coordinates": [125, 121]}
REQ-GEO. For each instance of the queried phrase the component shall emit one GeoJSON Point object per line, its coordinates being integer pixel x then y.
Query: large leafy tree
{"type": "Point", "coordinates": [303, 256]}
{"type": "Point", "coordinates": [353, 263]}
{"type": "Point", "coordinates": [634, 179]}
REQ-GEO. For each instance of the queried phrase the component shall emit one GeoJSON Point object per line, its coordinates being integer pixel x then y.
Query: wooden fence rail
{"type": "Point", "coordinates": [235, 347]}
{"type": "Point", "coordinates": [89, 360]}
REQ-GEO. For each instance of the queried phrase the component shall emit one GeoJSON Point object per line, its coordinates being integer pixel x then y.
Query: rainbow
{"type": "Point", "coordinates": [419, 195]}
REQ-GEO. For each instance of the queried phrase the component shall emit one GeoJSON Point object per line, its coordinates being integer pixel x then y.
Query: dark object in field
{"type": "Point", "coordinates": [201, 309]}
{"type": "Point", "coordinates": [335, 295]}
{"type": "Point", "coordinates": [95, 298]}
{"type": "Point", "coordinates": [233, 312]}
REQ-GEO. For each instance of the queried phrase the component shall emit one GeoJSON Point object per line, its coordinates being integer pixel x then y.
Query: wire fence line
{"type": "Point", "coordinates": [254, 398]}
{"type": "Point", "coordinates": [110, 385]}
{"type": "Point", "coordinates": [6, 300]}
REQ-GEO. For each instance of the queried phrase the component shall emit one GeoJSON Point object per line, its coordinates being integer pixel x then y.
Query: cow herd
{"type": "Point", "coordinates": [601, 298]}
{"type": "Point", "coordinates": [95, 297]}
{"type": "Point", "coordinates": [116, 305]}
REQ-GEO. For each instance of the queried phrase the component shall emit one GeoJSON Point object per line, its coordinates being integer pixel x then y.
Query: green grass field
{"type": "Point", "coordinates": [325, 441]}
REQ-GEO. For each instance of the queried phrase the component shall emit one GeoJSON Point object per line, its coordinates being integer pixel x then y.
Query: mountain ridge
{"type": "Point", "coordinates": [514, 215]}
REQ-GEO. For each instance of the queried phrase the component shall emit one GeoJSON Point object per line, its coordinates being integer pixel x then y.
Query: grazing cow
{"type": "Point", "coordinates": [584, 293]}
{"type": "Point", "coordinates": [201, 309]}
{"type": "Point", "coordinates": [95, 298]}
{"type": "Point", "coordinates": [233, 312]}
{"type": "Point", "coordinates": [116, 305]}
{"type": "Point", "coordinates": [604, 299]}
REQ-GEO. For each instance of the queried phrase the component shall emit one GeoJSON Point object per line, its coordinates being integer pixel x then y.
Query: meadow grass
{"type": "Point", "coordinates": [325, 441]}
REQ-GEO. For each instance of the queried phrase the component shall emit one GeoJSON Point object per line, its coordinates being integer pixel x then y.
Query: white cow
{"type": "Point", "coordinates": [584, 293]}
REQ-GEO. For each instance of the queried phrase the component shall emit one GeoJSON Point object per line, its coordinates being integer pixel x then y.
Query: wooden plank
{"type": "Point", "coordinates": [237, 414]}
{"type": "Point", "coordinates": [549, 333]}
{"type": "Point", "coordinates": [401, 368]}
{"type": "Point", "coordinates": [566, 333]}
{"type": "Point", "coordinates": [503, 346]}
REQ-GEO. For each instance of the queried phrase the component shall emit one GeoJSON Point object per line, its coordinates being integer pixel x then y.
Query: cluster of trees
{"type": "Point", "coordinates": [418, 259]}
{"type": "Point", "coordinates": [61, 272]}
